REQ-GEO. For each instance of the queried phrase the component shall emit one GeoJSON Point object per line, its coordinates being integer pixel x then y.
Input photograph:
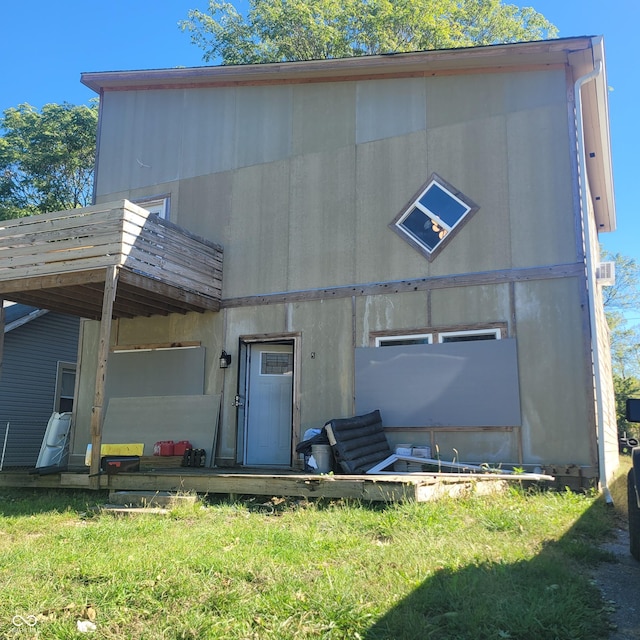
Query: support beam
{"type": "Point", "coordinates": [97, 412]}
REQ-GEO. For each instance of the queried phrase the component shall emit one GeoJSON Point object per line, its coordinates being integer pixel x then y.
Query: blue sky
{"type": "Point", "coordinates": [45, 46]}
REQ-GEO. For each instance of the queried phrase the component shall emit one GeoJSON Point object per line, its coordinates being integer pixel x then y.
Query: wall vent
{"type": "Point", "coordinates": [606, 274]}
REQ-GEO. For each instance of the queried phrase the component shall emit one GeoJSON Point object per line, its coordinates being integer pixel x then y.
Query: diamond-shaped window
{"type": "Point", "coordinates": [433, 216]}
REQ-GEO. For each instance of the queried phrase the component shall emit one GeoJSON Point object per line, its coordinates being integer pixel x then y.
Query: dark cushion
{"type": "Point", "coordinates": [358, 443]}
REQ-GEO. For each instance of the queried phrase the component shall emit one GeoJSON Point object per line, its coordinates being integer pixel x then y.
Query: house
{"type": "Point", "coordinates": [415, 233]}
{"type": "Point", "coordinates": [38, 378]}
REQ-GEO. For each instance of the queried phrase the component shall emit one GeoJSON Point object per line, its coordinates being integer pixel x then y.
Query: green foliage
{"type": "Point", "coordinates": [506, 565]}
{"type": "Point", "coordinates": [625, 388]}
{"type": "Point", "coordinates": [619, 300]}
{"type": "Point", "coordinates": [283, 30]}
{"type": "Point", "coordinates": [47, 158]}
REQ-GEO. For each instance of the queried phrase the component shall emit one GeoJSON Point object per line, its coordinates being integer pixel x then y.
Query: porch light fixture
{"type": "Point", "coordinates": [225, 360]}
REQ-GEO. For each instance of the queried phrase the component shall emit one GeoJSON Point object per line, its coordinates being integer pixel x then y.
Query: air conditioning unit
{"type": "Point", "coordinates": [606, 274]}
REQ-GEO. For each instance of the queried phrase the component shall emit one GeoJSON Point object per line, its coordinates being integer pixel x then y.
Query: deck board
{"type": "Point", "coordinates": [45, 260]}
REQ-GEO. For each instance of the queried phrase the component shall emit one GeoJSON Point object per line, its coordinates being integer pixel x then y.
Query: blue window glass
{"type": "Point", "coordinates": [443, 205]}
{"type": "Point", "coordinates": [422, 227]}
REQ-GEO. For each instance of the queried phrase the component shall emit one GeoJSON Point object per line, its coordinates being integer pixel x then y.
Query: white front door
{"type": "Point", "coordinates": [268, 410]}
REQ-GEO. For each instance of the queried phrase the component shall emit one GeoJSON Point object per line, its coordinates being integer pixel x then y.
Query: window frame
{"type": "Point", "coordinates": [499, 329]}
{"type": "Point", "coordinates": [63, 367]}
{"type": "Point", "coordinates": [495, 331]}
{"type": "Point", "coordinates": [159, 205]}
{"type": "Point", "coordinates": [414, 203]}
{"type": "Point", "coordinates": [389, 340]}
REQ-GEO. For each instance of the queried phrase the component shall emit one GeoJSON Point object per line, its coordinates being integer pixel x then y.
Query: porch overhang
{"type": "Point", "coordinates": [60, 261]}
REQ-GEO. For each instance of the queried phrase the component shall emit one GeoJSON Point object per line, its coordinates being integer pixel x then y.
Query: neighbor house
{"type": "Point", "coordinates": [38, 378]}
{"type": "Point", "coordinates": [415, 233]}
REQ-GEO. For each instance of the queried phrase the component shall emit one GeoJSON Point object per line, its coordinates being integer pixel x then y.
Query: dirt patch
{"type": "Point", "coordinates": [619, 583]}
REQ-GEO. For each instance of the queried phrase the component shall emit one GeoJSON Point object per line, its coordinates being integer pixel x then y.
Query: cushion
{"type": "Point", "coordinates": [358, 443]}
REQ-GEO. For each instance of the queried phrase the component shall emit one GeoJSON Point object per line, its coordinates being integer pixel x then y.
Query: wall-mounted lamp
{"type": "Point", "coordinates": [225, 360]}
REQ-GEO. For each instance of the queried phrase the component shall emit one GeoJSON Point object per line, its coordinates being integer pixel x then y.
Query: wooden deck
{"type": "Point", "coordinates": [419, 487]}
{"type": "Point", "coordinates": [59, 261]}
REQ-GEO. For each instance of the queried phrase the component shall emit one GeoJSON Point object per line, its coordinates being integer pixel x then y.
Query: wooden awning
{"type": "Point", "coordinates": [59, 261]}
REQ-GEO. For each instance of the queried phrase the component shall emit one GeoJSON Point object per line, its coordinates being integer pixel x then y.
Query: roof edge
{"type": "Point", "coordinates": [511, 55]}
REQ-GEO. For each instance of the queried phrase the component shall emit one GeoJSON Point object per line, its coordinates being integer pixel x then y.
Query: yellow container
{"type": "Point", "coordinates": [127, 449]}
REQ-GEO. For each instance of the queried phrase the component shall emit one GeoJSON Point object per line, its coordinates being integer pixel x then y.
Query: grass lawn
{"type": "Point", "coordinates": [508, 566]}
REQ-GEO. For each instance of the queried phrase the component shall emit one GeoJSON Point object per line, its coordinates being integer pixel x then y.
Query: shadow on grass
{"type": "Point", "coordinates": [550, 597]}
{"type": "Point", "coordinates": [29, 502]}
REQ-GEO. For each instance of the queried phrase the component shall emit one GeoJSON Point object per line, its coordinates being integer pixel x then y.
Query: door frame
{"type": "Point", "coordinates": [291, 338]}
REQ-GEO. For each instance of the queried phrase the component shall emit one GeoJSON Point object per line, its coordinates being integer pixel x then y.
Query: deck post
{"type": "Point", "coordinates": [97, 413]}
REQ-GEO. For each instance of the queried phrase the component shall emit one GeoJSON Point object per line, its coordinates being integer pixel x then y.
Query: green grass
{"type": "Point", "coordinates": [508, 566]}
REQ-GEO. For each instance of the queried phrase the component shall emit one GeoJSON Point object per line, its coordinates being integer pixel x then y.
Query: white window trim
{"type": "Point", "coordinates": [496, 333]}
{"type": "Point", "coordinates": [160, 205]}
{"type": "Point", "coordinates": [407, 336]}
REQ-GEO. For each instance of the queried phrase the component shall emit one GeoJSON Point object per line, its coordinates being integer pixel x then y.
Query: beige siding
{"type": "Point", "coordinates": [540, 192]}
{"type": "Point", "coordinates": [262, 171]}
{"type": "Point", "coordinates": [470, 305]}
{"type": "Point", "coordinates": [554, 389]}
{"type": "Point", "coordinates": [380, 254]}
{"type": "Point", "coordinates": [400, 311]}
{"type": "Point", "coordinates": [299, 184]}
{"type": "Point", "coordinates": [321, 223]}
{"type": "Point", "coordinates": [324, 117]}
{"type": "Point", "coordinates": [390, 108]}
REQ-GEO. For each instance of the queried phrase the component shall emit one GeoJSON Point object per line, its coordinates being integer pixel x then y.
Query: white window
{"type": "Point", "coordinates": [469, 336]}
{"type": "Point", "coordinates": [160, 205]}
{"type": "Point", "coordinates": [432, 215]}
{"type": "Point", "coordinates": [276, 363]}
{"type": "Point", "coordinates": [411, 338]}
{"type": "Point", "coordinates": [65, 387]}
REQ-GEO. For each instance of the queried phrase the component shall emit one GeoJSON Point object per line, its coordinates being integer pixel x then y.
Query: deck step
{"type": "Point", "coordinates": [132, 511]}
{"type": "Point", "coordinates": [150, 499]}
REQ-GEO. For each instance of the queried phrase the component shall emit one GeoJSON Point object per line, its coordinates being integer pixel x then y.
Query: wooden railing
{"type": "Point", "coordinates": [118, 233]}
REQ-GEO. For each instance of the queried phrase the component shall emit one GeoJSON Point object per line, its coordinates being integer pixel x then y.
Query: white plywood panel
{"type": "Point", "coordinates": [263, 124]}
{"type": "Point", "coordinates": [322, 226]}
{"type": "Point", "coordinates": [389, 172]}
{"type": "Point", "coordinates": [161, 372]}
{"type": "Point", "coordinates": [257, 242]}
{"type": "Point", "coordinates": [556, 423]}
{"type": "Point", "coordinates": [323, 116]}
{"type": "Point", "coordinates": [471, 156]}
{"type": "Point", "coordinates": [470, 305]}
{"type": "Point", "coordinates": [208, 131]}
{"type": "Point", "coordinates": [540, 193]}
{"type": "Point", "coordinates": [387, 108]}
{"type": "Point", "coordinates": [152, 419]}
{"type": "Point", "coordinates": [462, 384]}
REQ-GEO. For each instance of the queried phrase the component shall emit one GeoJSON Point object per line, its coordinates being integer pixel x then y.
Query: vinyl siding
{"type": "Point", "coordinates": [27, 388]}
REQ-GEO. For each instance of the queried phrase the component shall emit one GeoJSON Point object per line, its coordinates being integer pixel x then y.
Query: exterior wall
{"type": "Point", "coordinates": [299, 184]}
{"type": "Point", "coordinates": [28, 385]}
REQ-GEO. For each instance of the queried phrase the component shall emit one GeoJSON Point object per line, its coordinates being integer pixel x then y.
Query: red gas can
{"type": "Point", "coordinates": [180, 447]}
{"type": "Point", "coordinates": [163, 448]}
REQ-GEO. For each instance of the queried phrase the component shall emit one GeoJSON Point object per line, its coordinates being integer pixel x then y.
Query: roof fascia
{"type": "Point", "coordinates": [597, 137]}
{"type": "Point", "coordinates": [423, 63]}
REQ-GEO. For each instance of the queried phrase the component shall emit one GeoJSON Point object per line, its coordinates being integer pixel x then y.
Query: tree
{"type": "Point", "coordinates": [622, 297]}
{"type": "Point", "coordinates": [283, 30]}
{"type": "Point", "coordinates": [46, 158]}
